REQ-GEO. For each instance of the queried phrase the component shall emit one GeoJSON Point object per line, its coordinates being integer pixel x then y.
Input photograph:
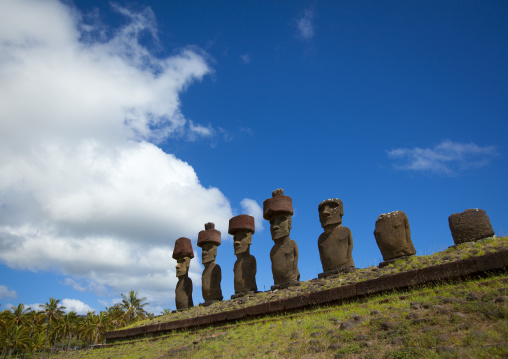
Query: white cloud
{"type": "Point", "coordinates": [305, 25]}
{"type": "Point", "coordinates": [448, 157]}
{"type": "Point", "coordinates": [245, 58]}
{"type": "Point", "coordinates": [7, 293]}
{"type": "Point", "coordinates": [199, 130]}
{"type": "Point", "coordinates": [70, 305]}
{"type": "Point", "coordinates": [252, 208]}
{"type": "Point", "coordinates": [77, 306]}
{"type": "Point", "coordinates": [84, 190]}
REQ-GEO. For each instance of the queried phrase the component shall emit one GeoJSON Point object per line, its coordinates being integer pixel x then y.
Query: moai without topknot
{"type": "Point", "coordinates": [284, 254]}
{"type": "Point", "coordinates": [470, 225]}
{"type": "Point", "coordinates": [336, 242]}
{"type": "Point", "coordinates": [242, 228]}
{"type": "Point", "coordinates": [183, 254]}
{"type": "Point", "coordinates": [209, 240]}
{"type": "Point", "coordinates": [393, 237]}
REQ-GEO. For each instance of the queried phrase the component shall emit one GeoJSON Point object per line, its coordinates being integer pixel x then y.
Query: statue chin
{"type": "Point", "coordinates": [279, 234]}
{"type": "Point", "coordinates": [330, 221]}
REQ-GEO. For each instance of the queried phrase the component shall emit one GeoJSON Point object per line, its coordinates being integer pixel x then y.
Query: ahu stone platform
{"type": "Point", "coordinates": [464, 268]}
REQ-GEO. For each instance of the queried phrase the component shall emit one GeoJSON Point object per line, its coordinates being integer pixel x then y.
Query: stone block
{"type": "Point", "coordinates": [470, 225]}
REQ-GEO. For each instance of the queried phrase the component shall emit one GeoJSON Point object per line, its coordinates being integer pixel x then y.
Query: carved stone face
{"type": "Point", "coordinates": [209, 253]}
{"type": "Point", "coordinates": [280, 225]}
{"type": "Point", "coordinates": [330, 214]}
{"type": "Point", "coordinates": [182, 266]}
{"type": "Point", "coordinates": [242, 241]}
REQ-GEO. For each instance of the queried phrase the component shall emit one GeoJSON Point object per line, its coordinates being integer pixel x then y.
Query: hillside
{"type": "Point", "coordinates": [443, 319]}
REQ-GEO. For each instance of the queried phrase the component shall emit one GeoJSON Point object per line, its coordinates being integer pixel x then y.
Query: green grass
{"type": "Point", "coordinates": [442, 328]}
{"type": "Point", "coordinates": [481, 325]}
{"type": "Point", "coordinates": [462, 251]}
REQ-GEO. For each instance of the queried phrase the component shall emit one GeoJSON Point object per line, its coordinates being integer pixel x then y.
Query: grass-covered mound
{"type": "Point", "coordinates": [447, 320]}
{"type": "Point", "coordinates": [454, 253]}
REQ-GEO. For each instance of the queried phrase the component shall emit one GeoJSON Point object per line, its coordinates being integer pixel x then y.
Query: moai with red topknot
{"type": "Point", "coordinates": [284, 254]}
{"type": "Point", "coordinates": [242, 228]}
{"type": "Point", "coordinates": [183, 254]}
{"type": "Point", "coordinates": [336, 242]}
{"type": "Point", "coordinates": [209, 240]}
{"type": "Point", "coordinates": [393, 237]}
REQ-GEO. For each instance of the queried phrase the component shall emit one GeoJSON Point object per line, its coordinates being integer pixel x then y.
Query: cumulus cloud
{"type": "Point", "coordinates": [305, 25]}
{"type": "Point", "coordinates": [84, 189]}
{"type": "Point", "coordinates": [448, 157]}
{"type": "Point", "coordinates": [245, 58]}
{"type": "Point", "coordinates": [252, 208]}
{"type": "Point", "coordinates": [6, 293]}
{"type": "Point", "coordinates": [75, 305]}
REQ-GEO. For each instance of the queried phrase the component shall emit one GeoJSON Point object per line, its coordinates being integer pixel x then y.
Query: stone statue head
{"type": "Point", "coordinates": [182, 266]}
{"type": "Point", "coordinates": [278, 210]}
{"type": "Point", "coordinates": [183, 248]}
{"type": "Point", "coordinates": [242, 241]}
{"type": "Point", "coordinates": [209, 240]}
{"type": "Point", "coordinates": [209, 252]}
{"type": "Point", "coordinates": [330, 212]}
{"type": "Point", "coordinates": [280, 225]}
{"type": "Point", "coordinates": [242, 228]}
{"type": "Point", "coordinates": [183, 254]}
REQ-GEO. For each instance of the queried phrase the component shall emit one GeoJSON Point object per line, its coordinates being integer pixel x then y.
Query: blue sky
{"type": "Point", "coordinates": [126, 125]}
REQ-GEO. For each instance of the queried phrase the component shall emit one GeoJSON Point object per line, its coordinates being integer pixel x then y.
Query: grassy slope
{"type": "Point", "coordinates": [450, 320]}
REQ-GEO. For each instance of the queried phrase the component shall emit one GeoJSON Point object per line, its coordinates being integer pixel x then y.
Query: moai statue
{"type": "Point", "coordinates": [470, 225]}
{"type": "Point", "coordinates": [209, 240]}
{"type": "Point", "coordinates": [284, 254]}
{"type": "Point", "coordinates": [183, 254]}
{"type": "Point", "coordinates": [393, 236]}
{"type": "Point", "coordinates": [336, 242]}
{"type": "Point", "coordinates": [242, 229]}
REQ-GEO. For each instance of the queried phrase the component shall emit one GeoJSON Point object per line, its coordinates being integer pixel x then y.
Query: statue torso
{"type": "Point", "coordinates": [285, 262]}
{"type": "Point", "coordinates": [334, 249]}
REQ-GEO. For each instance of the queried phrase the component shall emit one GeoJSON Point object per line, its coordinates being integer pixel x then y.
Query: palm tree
{"type": "Point", "coordinates": [35, 319]}
{"type": "Point", "coordinates": [17, 339]}
{"type": "Point", "coordinates": [133, 306]}
{"type": "Point", "coordinates": [38, 342]}
{"type": "Point", "coordinates": [20, 314]}
{"type": "Point", "coordinates": [96, 325]}
{"type": "Point", "coordinates": [116, 316]}
{"type": "Point", "coordinates": [53, 312]}
{"type": "Point", "coordinates": [68, 326]}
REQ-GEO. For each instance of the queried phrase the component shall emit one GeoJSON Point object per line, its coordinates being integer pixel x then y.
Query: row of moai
{"type": "Point", "coordinates": [392, 234]}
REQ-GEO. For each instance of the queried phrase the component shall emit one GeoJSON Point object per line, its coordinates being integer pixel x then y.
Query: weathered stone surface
{"type": "Point", "coordinates": [183, 254]}
{"type": "Point", "coordinates": [183, 248]}
{"type": "Point", "coordinates": [284, 254]}
{"type": "Point", "coordinates": [242, 228]}
{"type": "Point", "coordinates": [241, 222]}
{"type": "Point", "coordinates": [393, 235]}
{"type": "Point", "coordinates": [211, 278]}
{"type": "Point", "coordinates": [336, 242]}
{"type": "Point", "coordinates": [396, 281]}
{"type": "Point", "coordinates": [278, 204]}
{"type": "Point", "coordinates": [210, 282]}
{"type": "Point", "coordinates": [245, 273]}
{"type": "Point", "coordinates": [447, 270]}
{"type": "Point", "coordinates": [491, 261]}
{"type": "Point", "coordinates": [183, 293]}
{"type": "Point", "coordinates": [209, 235]}
{"type": "Point", "coordinates": [470, 225]}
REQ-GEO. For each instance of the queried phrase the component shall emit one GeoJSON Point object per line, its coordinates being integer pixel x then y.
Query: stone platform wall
{"type": "Point", "coordinates": [448, 271]}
